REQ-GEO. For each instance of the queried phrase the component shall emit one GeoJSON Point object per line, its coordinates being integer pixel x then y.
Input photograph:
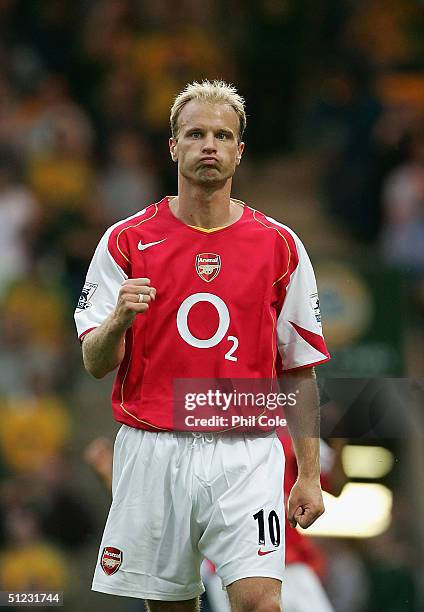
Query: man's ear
{"type": "Point", "coordinates": [173, 148]}
{"type": "Point", "coordinates": [240, 149]}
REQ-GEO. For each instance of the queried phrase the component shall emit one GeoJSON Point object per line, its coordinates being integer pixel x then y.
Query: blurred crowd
{"type": "Point", "coordinates": [85, 90]}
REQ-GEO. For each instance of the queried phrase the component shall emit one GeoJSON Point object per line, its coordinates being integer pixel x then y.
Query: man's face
{"type": "Point", "coordinates": [207, 148]}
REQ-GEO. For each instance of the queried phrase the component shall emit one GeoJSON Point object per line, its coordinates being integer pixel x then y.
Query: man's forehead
{"type": "Point", "coordinates": [204, 114]}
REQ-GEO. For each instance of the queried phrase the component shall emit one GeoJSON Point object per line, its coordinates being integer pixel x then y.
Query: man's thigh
{"type": "Point", "coordinates": [149, 545]}
{"type": "Point", "coordinates": [263, 594]}
{"type": "Point", "coordinates": [244, 533]}
{"type": "Point", "coordinates": [191, 605]}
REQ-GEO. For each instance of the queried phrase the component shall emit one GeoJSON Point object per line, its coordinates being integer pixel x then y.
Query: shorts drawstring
{"type": "Point", "coordinates": [201, 436]}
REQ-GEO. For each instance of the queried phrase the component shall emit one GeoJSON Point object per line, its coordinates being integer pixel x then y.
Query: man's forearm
{"type": "Point", "coordinates": [303, 421]}
{"type": "Point", "coordinates": [305, 503]}
{"type": "Point", "coordinates": [103, 348]}
{"type": "Point", "coordinates": [307, 455]}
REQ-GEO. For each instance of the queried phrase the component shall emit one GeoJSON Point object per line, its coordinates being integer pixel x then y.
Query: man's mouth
{"type": "Point", "coordinates": [208, 161]}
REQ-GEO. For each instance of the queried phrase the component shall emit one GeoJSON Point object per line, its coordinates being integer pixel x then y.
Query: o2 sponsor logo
{"type": "Point", "coordinates": [223, 325]}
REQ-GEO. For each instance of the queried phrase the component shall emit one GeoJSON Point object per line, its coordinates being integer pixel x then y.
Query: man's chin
{"type": "Point", "coordinates": [210, 181]}
{"type": "Point", "coordinates": [210, 178]}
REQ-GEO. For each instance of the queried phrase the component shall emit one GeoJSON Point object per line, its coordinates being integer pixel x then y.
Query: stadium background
{"type": "Point", "coordinates": [335, 149]}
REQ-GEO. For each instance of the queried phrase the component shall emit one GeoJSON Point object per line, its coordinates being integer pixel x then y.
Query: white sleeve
{"type": "Point", "coordinates": [299, 331]}
{"type": "Point", "coordinates": [100, 292]}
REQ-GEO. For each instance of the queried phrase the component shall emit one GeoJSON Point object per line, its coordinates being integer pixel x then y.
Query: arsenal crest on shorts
{"type": "Point", "coordinates": [111, 560]}
{"type": "Point", "coordinates": [208, 266]}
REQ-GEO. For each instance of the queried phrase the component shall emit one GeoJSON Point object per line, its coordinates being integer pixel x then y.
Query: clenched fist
{"type": "Point", "coordinates": [134, 298]}
{"type": "Point", "coordinates": [305, 503]}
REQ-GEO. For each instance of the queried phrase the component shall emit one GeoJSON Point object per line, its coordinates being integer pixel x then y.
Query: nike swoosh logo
{"type": "Point", "coordinates": [143, 247]}
{"type": "Point", "coordinates": [262, 553]}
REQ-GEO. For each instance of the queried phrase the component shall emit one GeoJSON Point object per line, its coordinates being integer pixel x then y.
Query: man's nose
{"type": "Point", "coordinates": [209, 144]}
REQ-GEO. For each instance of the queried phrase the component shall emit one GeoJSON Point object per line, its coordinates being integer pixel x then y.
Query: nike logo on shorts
{"type": "Point", "coordinates": [143, 247]}
{"type": "Point", "coordinates": [262, 553]}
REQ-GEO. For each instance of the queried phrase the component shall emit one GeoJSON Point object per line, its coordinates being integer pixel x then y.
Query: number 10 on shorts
{"type": "Point", "coordinates": [273, 524]}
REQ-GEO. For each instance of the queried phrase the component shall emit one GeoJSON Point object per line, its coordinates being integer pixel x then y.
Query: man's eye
{"type": "Point", "coordinates": [222, 135]}
{"type": "Point", "coordinates": [195, 135]}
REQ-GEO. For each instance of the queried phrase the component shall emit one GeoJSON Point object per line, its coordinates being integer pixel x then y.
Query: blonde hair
{"type": "Point", "coordinates": [215, 92]}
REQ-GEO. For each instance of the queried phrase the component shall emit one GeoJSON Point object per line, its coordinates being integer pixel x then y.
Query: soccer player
{"type": "Point", "coordinates": [201, 286]}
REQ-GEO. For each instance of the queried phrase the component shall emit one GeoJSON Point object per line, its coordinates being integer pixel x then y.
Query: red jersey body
{"type": "Point", "coordinates": [238, 302]}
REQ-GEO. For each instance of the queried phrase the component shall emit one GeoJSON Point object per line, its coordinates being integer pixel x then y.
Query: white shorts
{"type": "Point", "coordinates": [178, 498]}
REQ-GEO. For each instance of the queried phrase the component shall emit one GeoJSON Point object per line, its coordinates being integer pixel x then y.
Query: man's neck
{"type": "Point", "coordinates": [206, 208]}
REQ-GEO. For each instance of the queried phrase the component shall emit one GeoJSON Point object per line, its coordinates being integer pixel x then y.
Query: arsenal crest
{"type": "Point", "coordinates": [208, 266]}
{"type": "Point", "coordinates": [111, 560]}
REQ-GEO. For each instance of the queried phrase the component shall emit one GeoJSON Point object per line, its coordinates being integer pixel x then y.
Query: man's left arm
{"type": "Point", "coordinates": [305, 503]}
{"type": "Point", "coordinates": [301, 347]}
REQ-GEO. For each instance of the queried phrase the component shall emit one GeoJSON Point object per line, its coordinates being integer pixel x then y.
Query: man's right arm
{"type": "Point", "coordinates": [103, 348]}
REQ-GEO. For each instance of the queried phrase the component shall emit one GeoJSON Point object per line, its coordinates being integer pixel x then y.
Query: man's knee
{"type": "Point", "coordinates": [264, 603]}
{"type": "Point", "coordinates": [191, 605]}
{"type": "Point", "coordinates": [270, 605]}
{"type": "Point", "coordinates": [255, 595]}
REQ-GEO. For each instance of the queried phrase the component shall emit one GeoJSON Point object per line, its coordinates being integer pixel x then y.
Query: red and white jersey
{"type": "Point", "coordinates": [238, 302]}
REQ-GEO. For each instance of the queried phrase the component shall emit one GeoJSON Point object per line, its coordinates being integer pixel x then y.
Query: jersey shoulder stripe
{"type": "Point", "coordinates": [289, 233]}
{"type": "Point", "coordinates": [269, 224]}
{"type": "Point", "coordinates": [116, 235]}
{"type": "Point", "coordinates": [286, 239]}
